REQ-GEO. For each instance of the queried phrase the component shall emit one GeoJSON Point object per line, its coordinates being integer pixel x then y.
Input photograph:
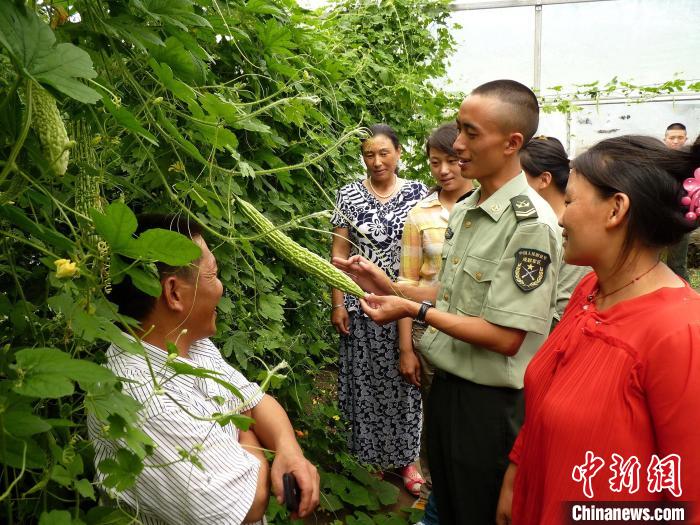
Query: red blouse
{"type": "Point", "coordinates": [625, 381]}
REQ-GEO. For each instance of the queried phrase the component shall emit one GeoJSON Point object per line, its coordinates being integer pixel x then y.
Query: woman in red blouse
{"type": "Point", "coordinates": [613, 396]}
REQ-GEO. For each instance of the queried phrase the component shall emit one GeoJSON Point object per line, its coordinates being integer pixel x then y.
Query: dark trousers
{"type": "Point", "coordinates": [471, 430]}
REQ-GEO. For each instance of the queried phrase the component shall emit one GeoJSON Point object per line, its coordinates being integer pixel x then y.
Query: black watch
{"type": "Point", "coordinates": [424, 307]}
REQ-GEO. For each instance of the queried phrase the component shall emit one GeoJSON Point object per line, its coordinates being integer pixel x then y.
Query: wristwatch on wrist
{"type": "Point", "coordinates": [424, 307]}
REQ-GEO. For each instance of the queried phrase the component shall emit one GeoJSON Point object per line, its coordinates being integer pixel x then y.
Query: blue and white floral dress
{"type": "Point", "coordinates": [383, 410]}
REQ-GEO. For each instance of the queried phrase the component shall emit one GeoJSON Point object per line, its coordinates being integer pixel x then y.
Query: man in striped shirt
{"type": "Point", "coordinates": [198, 471]}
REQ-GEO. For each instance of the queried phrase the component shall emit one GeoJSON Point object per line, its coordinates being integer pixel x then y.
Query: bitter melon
{"type": "Point", "coordinates": [48, 124]}
{"type": "Point", "coordinates": [298, 255]}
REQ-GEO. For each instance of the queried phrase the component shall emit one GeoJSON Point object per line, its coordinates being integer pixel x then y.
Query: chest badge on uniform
{"type": "Point", "coordinates": [449, 233]}
{"type": "Point", "coordinates": [530, 268]}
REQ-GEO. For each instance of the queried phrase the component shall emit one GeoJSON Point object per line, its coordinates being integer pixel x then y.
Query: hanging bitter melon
{"type": "Point", "coordinates": [48, 124]}
{"type": "Point", "coordinates": [296, 254]}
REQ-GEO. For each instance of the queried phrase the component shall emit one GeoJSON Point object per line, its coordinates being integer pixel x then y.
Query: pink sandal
{"type": "Point", "coordinates": [412, 480]}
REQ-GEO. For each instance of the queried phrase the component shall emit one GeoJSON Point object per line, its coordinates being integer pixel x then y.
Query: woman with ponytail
{"type": "Point", "coordinates": [546, 165]}
{"type": "Point", "coordinates": [613, 396]}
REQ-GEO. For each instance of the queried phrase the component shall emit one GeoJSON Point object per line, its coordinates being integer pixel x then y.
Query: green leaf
{"type": "Point", "coordinates": [85, 325]}
{"type": "Point", "coordinates": [238, 420]}
{"type": "Point", "coordinates": [330, 502]}
{"type": "Point", "coordinates": [116, 225]}
{"type": "Point", "coordinates": [85, 372]}
{"type": "Point", "coordinates": [246, 169]}
{"type": "Point", "coordinates": [145, 281]}
{"type": "Point", "coordinates": [73, 462]}
{"type": "Point", "coordinates": [167, 246]}
{"type": "Point", "coordinates": [61, 476]}
{"type": "Point", "coordinates": [360, 518]}
{"type": "Point", "coordinates": [349, 491]}
{"type": "Point", "coordinates": [55, 517]}
{"type": "Point", "coordinates": [180, 367]}
{"type": "Point", "coordinates": [137, 440]}
{"type": "Point", "coordinates": [387, 493]}
{"type": "Point", "coordinates": [217, 136]}
{"type": "Point", "coordinates": [127, 119]}
{"type": "Point", "coordinates": [108, 516]}
{"type": "Point", "coordinates": [177, 87]}
{"type": "Point", "coordinates": [133, 30]}
{"type": "Point", "coordinates": [32, 46]}
{"type": "Point", "coordinates": [270, 307]}
{"type": "Point", "coordinates": [179, 13]}
{"type": "Point", "coordinates": [14, 449]}
{"type": "Point", "coordinates": [44, 385]}
{"type": "Point", "coordinates": [225, 305]}
{"type": "Point", "coordinates": [251, 124]}
{"type": "Point", "coordinates": [390, 519]}
{"type": "Point", "coordinates": [104, 400]}
{"type": "Point", "coordinates": [183, 63]}
{"type": "Point", "coordinates": [276, 38]}
{"type": "Point", "coordinates": [85, 488]}
{"type": "Point", "coordinates": [121, 470]}
{"type": "Point", "coordinates": [263, 7]}
{"type": "Point", "coordinates": [174, 134]}
{"type": "Point", "coordinates": [19, 423]}
{"type": "Point", "coordinates": [48, 372]}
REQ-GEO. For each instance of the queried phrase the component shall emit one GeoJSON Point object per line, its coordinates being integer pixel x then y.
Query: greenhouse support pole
{"type": "Point", "coordinates": [538, 49]}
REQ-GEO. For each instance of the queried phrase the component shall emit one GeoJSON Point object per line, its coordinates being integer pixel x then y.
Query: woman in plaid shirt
{"type": "Point", "coordinates": [421, 258]}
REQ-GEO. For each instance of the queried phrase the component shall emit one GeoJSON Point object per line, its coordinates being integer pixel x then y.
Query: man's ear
{"type": "Point", "coordinates": [173, 294]}
{"type": "Point", "coordinates": [514, 144]}
{"type": "Point", "coordinates": [619, 209]}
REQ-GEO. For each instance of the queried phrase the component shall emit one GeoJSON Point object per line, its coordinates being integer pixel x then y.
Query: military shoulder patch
{"type": "Point", "coordinates": [523, 208]}
{"type": "Point", "coordinates": [530, 268]}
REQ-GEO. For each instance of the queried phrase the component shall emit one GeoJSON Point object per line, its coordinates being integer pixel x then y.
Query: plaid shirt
{"type": "Point", "coordinates": [421, 244]}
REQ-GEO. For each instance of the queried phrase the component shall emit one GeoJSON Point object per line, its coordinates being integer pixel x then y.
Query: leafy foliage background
{"type": "Point", "coordinates": [177, 106]}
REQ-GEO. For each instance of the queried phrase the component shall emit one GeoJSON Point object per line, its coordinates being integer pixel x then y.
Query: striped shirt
{"type": "Point", "coordinates": [421, 244]}
{"type": "Point", "coordinates": [176, 491]}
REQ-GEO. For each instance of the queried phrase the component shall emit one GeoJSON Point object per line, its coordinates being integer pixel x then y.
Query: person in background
{"type": "Point", "coordinates": [546, 166]}
{"type": "Point", "coordinates": [677, 254]}
{"type": "Point", "coordinates": [676, 135]}
{"type": "Point", "coordinates": [421, 259]}
{"type": "Point", "coordinates": [383, 410]}
{"type": "Point", "coordinates": [493, 306]}
{"type": "Point", "coordinates": [229, 483]}
{"type": "Point", "coordinates": [613, 397]}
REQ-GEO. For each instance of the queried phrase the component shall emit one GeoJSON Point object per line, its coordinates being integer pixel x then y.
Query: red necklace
{"type": "Point", "coordinates": [594, 296]}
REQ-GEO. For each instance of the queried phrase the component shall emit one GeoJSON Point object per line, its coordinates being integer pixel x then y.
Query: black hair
{"type": "Point", "coordinates": [651, 175]}
{"type": "Point", "coordinates": [546, 154]}
{"type": "Point", "coordinates": [442, 139]}
{"type": "Point", "coordinates": [129, 299]}
{"type": "Point", "coordinates": [676, 125]}
{"type": "Point", "coordinates": [386, 130]}
{"type": "Point", "coordinates": [525, 114]}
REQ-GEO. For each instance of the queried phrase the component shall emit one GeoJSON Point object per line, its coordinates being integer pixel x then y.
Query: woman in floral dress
{"type": "Point", "coordinates": [383, 410]}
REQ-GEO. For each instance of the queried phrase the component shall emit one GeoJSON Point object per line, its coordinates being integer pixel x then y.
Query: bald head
{"type": "Point", "coordinates": [520, 112]}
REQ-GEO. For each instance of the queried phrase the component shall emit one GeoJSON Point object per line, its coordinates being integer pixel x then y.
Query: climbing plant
{"type": "Point", "coordinates": [113, 108]}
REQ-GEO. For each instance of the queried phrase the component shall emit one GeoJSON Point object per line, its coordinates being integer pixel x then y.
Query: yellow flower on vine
{"type": "Point", "coordinates": [337, 418]}
{"type": "Point", "coordinates": [65, 268]}
{"type": "Point", "coordinates": [178, 167]}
